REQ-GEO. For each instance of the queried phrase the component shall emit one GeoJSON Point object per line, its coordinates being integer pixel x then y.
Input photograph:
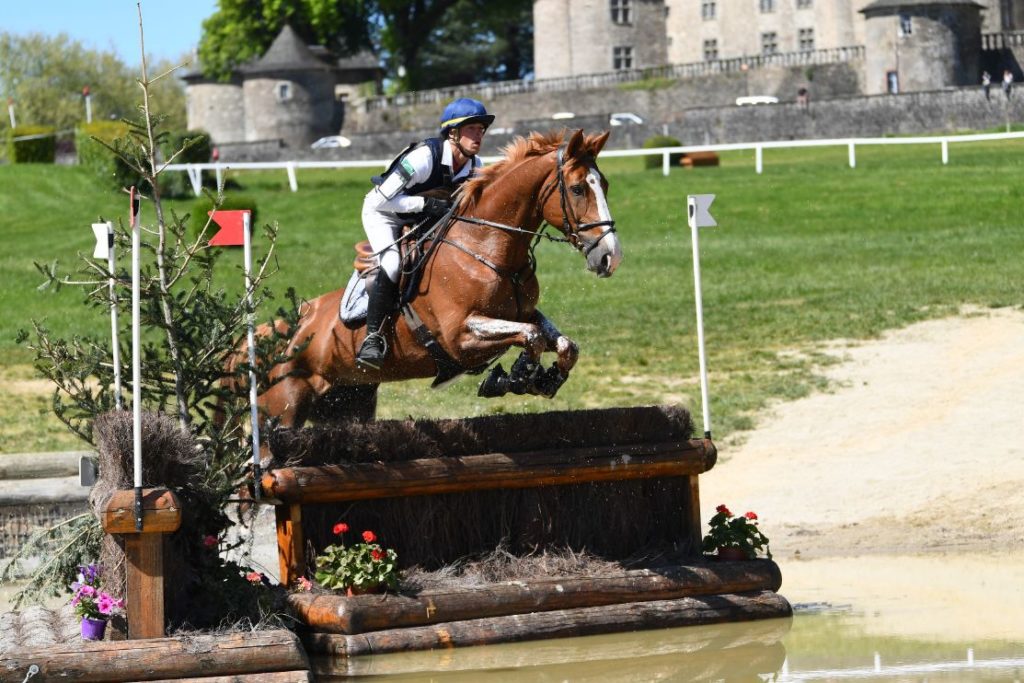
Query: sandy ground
{"type": "Point", "coordinates": [918, 449]}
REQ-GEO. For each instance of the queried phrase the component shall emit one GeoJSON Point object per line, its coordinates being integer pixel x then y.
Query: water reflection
{"type": "Point", "coordinates": [931, 618]}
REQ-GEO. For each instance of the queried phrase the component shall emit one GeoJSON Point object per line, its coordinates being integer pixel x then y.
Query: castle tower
{"type": "Point", "coordinates": [913, 45]}
{"type": "Point", "coordinates": [215, 107]}
{"type": "Point", "coordinates": [289, 94]}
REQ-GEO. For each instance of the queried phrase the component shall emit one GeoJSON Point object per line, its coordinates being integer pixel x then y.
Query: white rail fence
{"type": "Point", "coordinates": [290, 167]}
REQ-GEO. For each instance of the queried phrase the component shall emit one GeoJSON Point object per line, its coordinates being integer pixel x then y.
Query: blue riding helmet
{"type": "Point", "coordinates": [464, 111]}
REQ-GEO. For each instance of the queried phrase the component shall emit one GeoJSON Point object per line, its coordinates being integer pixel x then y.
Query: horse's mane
{"type": "Point", "coordinates": [519, 149]}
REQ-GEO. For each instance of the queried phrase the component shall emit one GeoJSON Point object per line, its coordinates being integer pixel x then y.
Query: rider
{"type": "Point", "coordinates": [442, 162]}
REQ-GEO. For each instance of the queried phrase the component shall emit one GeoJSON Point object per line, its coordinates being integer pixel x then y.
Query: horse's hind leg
{"type": "Point", "coordinates": [289, 401]}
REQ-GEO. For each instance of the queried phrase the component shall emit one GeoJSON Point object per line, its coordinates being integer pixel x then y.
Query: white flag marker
{"type": "Point", "coordinates": [105, 250]}
{"type": "Point", "coordinates": [699, 216]}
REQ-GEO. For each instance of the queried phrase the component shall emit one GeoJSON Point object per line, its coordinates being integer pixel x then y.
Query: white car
{"type": "Point", "coordinates": [331, 142]}
{"type": "Point", "coordinates": [558, 116]}
{"type": "Point", "coordinates": [624, 117]}
{"type": "Point", "coordinates": [757, 99]}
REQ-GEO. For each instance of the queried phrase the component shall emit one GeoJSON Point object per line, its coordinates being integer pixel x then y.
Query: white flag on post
{"type": "Point", "coordinates": [103, 239]}
{"type": "Point", "coordinates": [698, 211]}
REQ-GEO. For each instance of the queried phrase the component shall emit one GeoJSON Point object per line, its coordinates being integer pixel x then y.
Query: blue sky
{"type": "Point", "coordinates": [172, 26]}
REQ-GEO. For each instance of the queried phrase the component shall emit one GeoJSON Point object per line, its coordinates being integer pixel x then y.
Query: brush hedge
{"type": "Point", "coordinates": [39, 148]}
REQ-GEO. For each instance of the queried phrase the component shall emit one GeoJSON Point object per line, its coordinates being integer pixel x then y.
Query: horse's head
{"type": "Point", "coordinates": [577, 205]}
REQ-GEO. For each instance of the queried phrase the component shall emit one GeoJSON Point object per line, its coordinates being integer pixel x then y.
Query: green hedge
{"type": "Point", "coordinates": [103, 163]}
{"type": "Point", "coordinates": [653, 161]}
{"type": "Point", "coordinates": [203, 205]}
{"type": "Point", "coordinates": [176, 183]}
{"type": "Point", "coordinates": [38, 150]}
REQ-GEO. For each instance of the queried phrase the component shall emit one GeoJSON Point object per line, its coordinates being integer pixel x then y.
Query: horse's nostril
{"type": "Point", "coordinates": [606, 262]}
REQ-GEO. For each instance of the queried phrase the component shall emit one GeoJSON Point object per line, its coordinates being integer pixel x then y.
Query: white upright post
{"type": "Point", "coordinates": [758, 159]}
{"type": "Point", "coordinates": [697, 215]}
{"type": "Point", "coordinates": [114, 341]}
{"type": "Point", "coordinates": [88, 108]}
{"type": "Point", "coordinates": [136, 361]}
{"type": "Point", "coordinates": [104, 233]}
{"type": "Point", "coordinates": [852, 155]}
{"type": "Point", "coordinates": [945, 151]}
{"type": "Point", "coordinates": [665, 157]}
{"type": "Point", "coordinates": [10, 112]}
{"type": "Point", "coordinates": [253, 408]}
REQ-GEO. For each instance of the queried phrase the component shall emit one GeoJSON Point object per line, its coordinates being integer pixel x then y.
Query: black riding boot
{"type": "Point", "coordinates": [381, 303]}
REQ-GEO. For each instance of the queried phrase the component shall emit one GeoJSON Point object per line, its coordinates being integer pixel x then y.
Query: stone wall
{"type": "Point", "coordinates": [657, 102]}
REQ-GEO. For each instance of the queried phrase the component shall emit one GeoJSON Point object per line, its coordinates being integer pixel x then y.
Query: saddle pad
{"type": "Point", "coordinates": [354, 301]}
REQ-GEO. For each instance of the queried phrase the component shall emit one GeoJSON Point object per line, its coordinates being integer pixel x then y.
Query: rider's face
{"type": "Point", "coordinates": [471, 136]}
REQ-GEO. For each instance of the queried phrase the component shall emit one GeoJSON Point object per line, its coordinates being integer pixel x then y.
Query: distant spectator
{"type": "Point", "coordinates": [803, 97]}
{"type": "Point", "coordinates": [215, 155]}
{"type": "Point", "coordinates": [986, 83]}
{"type": "Point", "coordinates": [1007, 83]}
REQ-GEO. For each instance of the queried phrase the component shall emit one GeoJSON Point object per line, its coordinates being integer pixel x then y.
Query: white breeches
{"type": "Point", "coordinates": [382, 229]}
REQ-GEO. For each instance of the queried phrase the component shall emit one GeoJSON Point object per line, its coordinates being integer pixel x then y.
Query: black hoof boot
{"type": "Point", "coordinates": [371, 353]}
{"type": "Point", "coordinates": [548, 383]}
{"type": "Point", "coordinates": [495, 384]}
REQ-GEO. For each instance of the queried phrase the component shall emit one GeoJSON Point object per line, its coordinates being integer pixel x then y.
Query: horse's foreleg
{"type": "Point", "coordinates": [495, 335]}
{"type": "Point", "coordinates": [567, 350]}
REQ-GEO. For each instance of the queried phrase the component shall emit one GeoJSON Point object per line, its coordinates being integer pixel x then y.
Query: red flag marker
{"type": "Point", "coordinates": [232, 230]}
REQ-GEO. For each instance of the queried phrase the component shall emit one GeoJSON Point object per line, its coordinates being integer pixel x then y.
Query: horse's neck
{"type": "Point", "coordinates": [513, 200]}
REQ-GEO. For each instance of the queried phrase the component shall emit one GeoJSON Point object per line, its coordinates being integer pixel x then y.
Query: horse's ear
{"type": "Point", "coordinates": [572, 149]}
{"type": "Point", "coordinates": [597, 142]}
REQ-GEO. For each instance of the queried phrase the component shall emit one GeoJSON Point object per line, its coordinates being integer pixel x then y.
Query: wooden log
{"type": "Point", "coordinates": [363, 481]}
{"type": "Point", "coordinates": [723, 641]}
{"type": "Point", "coordinates": [161, 512]}
{"type": "Point", "coordinates": [332, 613]}
{"type": "Point", "coordinates": [275, 677]}
{"type": "Point", "coordinates": [708, 609]}
{"type": "Point", "coordinates": [219, 654]}
{"type": "Point", "coordinates": [291, 555]}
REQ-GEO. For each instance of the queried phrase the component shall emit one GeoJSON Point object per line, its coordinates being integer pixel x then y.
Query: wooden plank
{"type": "Point", "coordinates": [161, 512]}
{"type": "Point", "coordinates": [291, 555]}
{"type": "Point", "coordinates": [193, 656]}
{"type": "Point", "coordinates": [332, 613]}
{"type": "Point", "coordinates": [144, 593]}
{"type": "Point", "coordinates": [695, 528]}
{"type": "Point", "coordinates": [275, 677]}
{"type": "Point", "coordinates": [362, 481]}
{"type": "Point", "coordinates": [690, 611]}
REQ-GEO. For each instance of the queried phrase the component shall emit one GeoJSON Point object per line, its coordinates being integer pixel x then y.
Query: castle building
{"type": "Point", "coordinates": [576, 37]}
{"type": "Point", "coordinates": [291, 96]}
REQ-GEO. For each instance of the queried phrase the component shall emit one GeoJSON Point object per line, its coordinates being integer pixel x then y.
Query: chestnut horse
{"type": "Point", "coordinates": [478, 291]}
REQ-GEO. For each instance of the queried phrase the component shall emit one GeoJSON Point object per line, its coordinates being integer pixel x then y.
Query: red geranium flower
{"type": "Point", "coordinates": [340, 528]}
{"type": "Point", "coordinates": [751, 515]}
{"type": "Point", "coordinates": [369, 536]}
{"type": "Point", "coordinates": [209, 540]}
{"type": "Point", "coordinates": [254, 577]}
{"type": "Point", "coordinates": [377, 555]}
{"type": "Point", "coordinates": [724, 510]}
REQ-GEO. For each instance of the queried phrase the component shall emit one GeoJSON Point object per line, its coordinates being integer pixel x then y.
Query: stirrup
{"type": "Point", "coordinates": [372, 351]}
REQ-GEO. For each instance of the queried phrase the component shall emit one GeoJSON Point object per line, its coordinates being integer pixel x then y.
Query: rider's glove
{"type": "Point", "coordinates": [436, 207]}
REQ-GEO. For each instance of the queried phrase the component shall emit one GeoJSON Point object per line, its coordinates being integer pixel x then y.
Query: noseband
{"type": "Point", "coordinates": [574, 234]}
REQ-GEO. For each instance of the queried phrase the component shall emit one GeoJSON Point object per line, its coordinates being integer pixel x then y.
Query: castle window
{"type": "Point", "coordinates": [283, 92]}
{"type": "Point", "coordinates": [805, 39]}
{"type": "Point", "coordinates": [622, 13]}
{"type": "Point", "coordinates": [622, 57]}
{"type": "Point", "coordinates": [711, 50]}
{"type": "Point", "coordinates": [906, 28]}
{"type": "Point", "coordinates": [767, 6]}
{"type": "Point", "coordinates": [707, 10]}
{"type": "Point", "coordinates": [769, 43]}
{"type": "Point", "coordinates": [804, 4]}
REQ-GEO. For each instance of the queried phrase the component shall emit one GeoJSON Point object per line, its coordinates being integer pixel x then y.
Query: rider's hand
{"type": "Point", "coordinates": [436, 207]}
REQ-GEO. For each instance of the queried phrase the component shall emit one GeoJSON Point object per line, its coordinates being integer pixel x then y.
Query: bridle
{"type": "Point", "coordinates": [572, 235]}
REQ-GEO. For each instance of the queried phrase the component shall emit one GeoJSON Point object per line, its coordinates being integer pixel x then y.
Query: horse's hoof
{"type": "Point", "coordinates": [495, 384]}
{"type": "Point", "coordinates": [549, 382]}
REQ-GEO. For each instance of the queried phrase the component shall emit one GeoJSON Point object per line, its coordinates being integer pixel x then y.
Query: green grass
{"type": "Point", "coordinates": [809, 251]}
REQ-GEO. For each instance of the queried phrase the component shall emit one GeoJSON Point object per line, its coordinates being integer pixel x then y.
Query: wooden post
{"type": "Point", "coordinates": [290, 551]}
{"type": "Point", "coordinates": [144, 590]}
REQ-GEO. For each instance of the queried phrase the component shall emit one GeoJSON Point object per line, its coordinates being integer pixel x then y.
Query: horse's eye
{"type": "Point", "coordinates": [577, 190]}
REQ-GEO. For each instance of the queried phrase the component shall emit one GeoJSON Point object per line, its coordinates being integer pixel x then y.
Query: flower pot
{"type": "Point", "coordinates": [93, 629]}
{"type": "Point", "coordinates": [732, 554]}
